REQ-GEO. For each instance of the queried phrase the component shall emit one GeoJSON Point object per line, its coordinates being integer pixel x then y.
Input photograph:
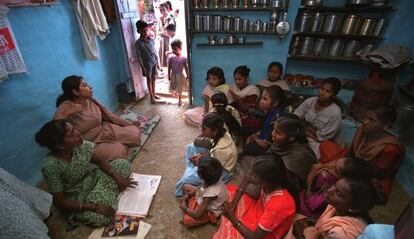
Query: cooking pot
{"type": "Point", "coordinates": [331, 23]}
{"type": "Point", "coordinates": [311, 2]}
{"type": "Point", "coordinates": [307, 46]}
{"type": "Point", "coordinates": [367, 26]}
{"type": "Point", "coordinates": [337, 46]}
{"type": "Point", "coordinates": [320, 47]}
{"type": "Point", "coordinates": [316, 23]}
{"type": "Point", "coordinates": [351, 24]}
{"type": "Point", "coordinates": [303, 21]}
{"type": "Point", "coordinates": [358, 2]}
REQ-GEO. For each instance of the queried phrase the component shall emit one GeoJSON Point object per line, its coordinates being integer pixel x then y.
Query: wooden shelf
{"type": "Point", "coordinates": [236, 32]}
{"type": "Point", "coordinates": [239, 9]}
{"type": "Point", "coordinates": [339, 35]}
{"type": "Point", "coordinates": [324, 58]}
{"type": "Point", "coordinates": [224, 45]}
{"type": "Point", "coordinates": [349, 9]}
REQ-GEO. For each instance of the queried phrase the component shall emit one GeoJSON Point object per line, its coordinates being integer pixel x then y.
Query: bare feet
{"type": "Point", "coordinates": [156, 97]}
{"type": "Point", "coordinates": [153, 102]}
{"type": "Point", "coordinates": [180, 103]}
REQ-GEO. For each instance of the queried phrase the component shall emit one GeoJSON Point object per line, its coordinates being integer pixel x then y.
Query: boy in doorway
{"type": "Point", "coordinates": [176, 64]}
{"type": "Point", "coordinates": [147, 56]}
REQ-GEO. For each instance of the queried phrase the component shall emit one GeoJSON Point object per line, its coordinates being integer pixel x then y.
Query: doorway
{"type": "Point", "coordinates": [150, 12]}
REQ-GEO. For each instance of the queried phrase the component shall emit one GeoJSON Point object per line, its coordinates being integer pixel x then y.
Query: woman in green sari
{"type": "Point", "coordinates": [86, 189]}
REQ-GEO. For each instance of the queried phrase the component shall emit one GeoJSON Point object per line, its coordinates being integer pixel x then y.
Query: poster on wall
{"type": "Point", "coordinates": [11, 61]}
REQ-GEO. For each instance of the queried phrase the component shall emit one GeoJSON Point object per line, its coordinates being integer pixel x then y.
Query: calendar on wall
{"type": "Point", "coordinates": [11, 60]}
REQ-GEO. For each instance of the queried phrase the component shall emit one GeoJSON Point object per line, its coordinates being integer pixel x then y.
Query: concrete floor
{"type": "Point", "coordinates": [163, 154]}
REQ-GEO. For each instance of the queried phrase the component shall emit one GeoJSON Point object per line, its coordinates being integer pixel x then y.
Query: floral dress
{"type": "Point", "coordinates": [82, 181]}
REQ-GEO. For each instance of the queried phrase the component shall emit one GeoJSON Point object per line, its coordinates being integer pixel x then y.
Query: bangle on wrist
{"type": "Point", "coordinates": [237, 224]}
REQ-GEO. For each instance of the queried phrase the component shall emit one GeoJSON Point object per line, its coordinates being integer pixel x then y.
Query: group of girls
{"type": "Point", "coordinates": [300, 183]}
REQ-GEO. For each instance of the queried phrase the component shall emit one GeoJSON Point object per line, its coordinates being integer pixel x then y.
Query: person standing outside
{"type": "Point", "coordinates": [147, 56]}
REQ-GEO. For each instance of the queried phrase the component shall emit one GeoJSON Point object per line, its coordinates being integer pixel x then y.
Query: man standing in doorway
{"type": "Point", "coordinates": [147, 56]}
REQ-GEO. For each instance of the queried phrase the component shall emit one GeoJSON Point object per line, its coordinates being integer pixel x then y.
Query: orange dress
{"type": "Point", "coordinates": [111, 134]}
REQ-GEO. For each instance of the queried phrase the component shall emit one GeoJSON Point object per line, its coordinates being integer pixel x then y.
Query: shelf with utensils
{"type": "Point", "coordinates": [231, 45]}
{"type": "Point", "coordinates": [238, 9]}
{"type": "Point", "coordinates": [235, 32]}
{"type": "Point", "coordinates": [324, 58]}
{"type": "Point", "coordinates": [348, 9]}
{"type": "Point", "coordinates": [339, 35]}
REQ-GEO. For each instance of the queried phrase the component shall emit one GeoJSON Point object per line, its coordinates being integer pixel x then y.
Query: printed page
{"type": "Point", "coordinates": [143, 231]}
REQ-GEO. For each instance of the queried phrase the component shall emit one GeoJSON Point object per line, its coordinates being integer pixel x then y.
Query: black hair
{"type": "Point", "coordinates": [177, 43]}
{"type": "Point", "coordinates": [364, 198]}
{"type": "Point", "coordinates": [219, 102]}
{"type": "Point", "coordinates": [357, 168]}
{"type": "Point", "coordinates": [69, 84]}
{"type": "Point", "coordinates": [271, 169]}
{"type": "Point", "coordinates": [293, 128]}
{"type": "Point", "coordinates": [215, 122]}
{"type": "Point", "coordinates": [275, 63]}
{"type": "Point", "coordinates": [243, 71]}
{"type": "Point", "coordinates": [140, 24]}
{"type": "Point", "coordinates": [210, 171]}
{"type": "Point", "coordinates": [334, 82]}
{"type": "Point", "coordinates": [170, 27]}
{"type": "Point", "coordinates": [276, 94]}
{"type": "Point", "coordinates": [169, 5]}
{"type": "Point", "coordinates": [52, 134]}
{"type": "Point", "coordinates": [385, 113]}
{"type": "Point", "coordinates": [218, 72]}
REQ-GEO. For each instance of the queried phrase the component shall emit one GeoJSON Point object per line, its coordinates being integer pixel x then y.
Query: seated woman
{"type": "Point", "coordinates": [373, 143]}
{"type": "Point", "coordinates": [322, 114]}
{"type": "Point", "coordinates": [232, 120]}
{"type": "Point", "coordinates": [204, 204]}
{"type": "Point", "coordinates": [111, 134]}
{"type": "Point", "coordinates": [290, 143]}
{"type": "Point", "coordinates": [215, 83]}
{"type": "Point", "coordinates": [24, 208]}
{"type": "Point", "coordinates": [346, 216]}
{"type": "Point", "coordinates": [271, 102]}
{"type": "Point", "coordinates": [87, 193]}
{"type": "Point", "coordinates": [222, 148]}
{"type": "Point", "coordinates": [274, 71]}
{"type": "Point", "coordinates": [312, 201]}
{"type": "Point", "coordinates": [268, 217]}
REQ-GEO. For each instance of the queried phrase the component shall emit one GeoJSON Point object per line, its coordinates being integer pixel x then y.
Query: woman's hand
{"type": "Point", "coordinates": [104, 209]}
{"type": "Point", "coordinates": [235, 96]}
{"type": "Point", "coordinates": [195, 159]}
{"type": "Point", "coordinates": [124, 183]}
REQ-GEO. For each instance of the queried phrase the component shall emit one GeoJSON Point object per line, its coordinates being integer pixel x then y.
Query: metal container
{"type": "Point", "coordinates": [265, 26]}
{"type": "Point", "coordinates": [367, 26]}
{"type": "Point", "coordinates": [306, 46]}
{"type": "Point", "coordinates": [276, 3]}
{"type": "Point", "coordinates": [351, 48]}
{"type": "Point", "coordinates": [221, 41]}
{"type": "Point", "coordinates": [379, 27]}
{"type": "Point", "coordinates": [379, 3]}
{"type": "Point", "coordinates": [246, 3]}
{"type": "Point", "coordinates": [207, 22]}
{"type": "Point", "coordinates": [198, 23]}
{"type": "Point", "coordinates": [245, 25]}
{"type": "Point", "coordinates": [252, 26]}
{"type": "Point", "coordinates": [212, 39]}
{"type": "Point", "coordinates": [264, 3]}
{"type": "Point", "coordinates": [274, 16]}
{"type": "Point", "coordinates": [295, 45]}
{"type": "Point", "coordinates": [320, 47]}
{"type": "Point", "coordinates": [217, 23]}
{"type": "Point", "coordinates": [227, 23]}
{"type": "Point", "coordinates": [237, 24]}
{"type": "Point", "coordinates": [255, 3]}
{"type": "Point", "coordinates": [196, 3]}
{"type": "Point", "coordinates": [230, 39]}
{"type": "Point", "coordinates": [358, 2]}
{"type": "Point", "coordinates": [331, 23]}
{"type": "Point", "coordinates": [272, 26]}
{"type": "Point", "coordinates": [311, 2]}
{"type": "Point", "coordinates": [226, 3]}
{"type": "Point", "coordinates": [205, 3]}
{"type": "Point", "coordinates": [258, 26]}
{"type": "Point", "coordinates": [336, 48]}
{"type": "Point", "coordinates": [216, 3]}
{"type": "Point", "coordinates": [303, 21]}
{"type": "Point", "coordinates": [235, 3]}
{"type": "Point", "coordinates": [316, 23]}
{"type": "Point", "coordinates": [241, 40]}
{"type": "Point", "coordinates": [350, 24]}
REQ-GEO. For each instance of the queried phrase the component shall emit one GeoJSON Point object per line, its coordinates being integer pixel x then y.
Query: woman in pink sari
{"type": "Point", "coordinates": [111, 134]}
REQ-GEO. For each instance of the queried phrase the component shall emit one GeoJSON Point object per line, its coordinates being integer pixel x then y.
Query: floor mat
{"type": "Point", "coordinates": [147, 125]}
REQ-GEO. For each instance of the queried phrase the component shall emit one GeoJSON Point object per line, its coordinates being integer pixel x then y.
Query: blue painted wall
{"type": "Point", "coordinates": [50, 44]}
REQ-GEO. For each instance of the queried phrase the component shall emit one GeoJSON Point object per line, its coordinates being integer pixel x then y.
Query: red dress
{"type": "Point", "coordinates": [273, 212]}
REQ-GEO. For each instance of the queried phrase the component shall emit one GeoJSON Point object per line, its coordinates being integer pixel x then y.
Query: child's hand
{"type": "Point", "coordinates": [195, 159]}
{"type": "Point", "coordinates": [184, 198]}
{"type": "Point", "coordinates": [251, 138]}
{"type": "Point", "coordinates": [183, 205]}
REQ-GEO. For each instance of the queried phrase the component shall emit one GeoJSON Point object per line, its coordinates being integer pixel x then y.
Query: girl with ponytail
{"type": "Point", "coordinates": [232, 120]}
{"type": "Point", "coordinates": [222, 148]}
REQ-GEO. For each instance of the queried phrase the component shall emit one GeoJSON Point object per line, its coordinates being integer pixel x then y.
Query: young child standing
{"type": "Point", "coordinates": [274, 71]}
{"type": "Point", "coordinates": [176, 64]}
{"type": "Point", "coordinates": [204, 204]}
{"type": "Point", "coordinates": [147, 57]}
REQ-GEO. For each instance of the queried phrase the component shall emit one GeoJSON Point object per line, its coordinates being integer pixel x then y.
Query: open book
{"type": "Point", "coordinates": [137, 201]}
{"type": "Point", "coordinates": [143, 230]}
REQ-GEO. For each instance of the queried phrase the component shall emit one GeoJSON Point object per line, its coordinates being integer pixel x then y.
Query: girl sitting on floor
{"type": "Point", "coordinates": [216, 82]}
{"type": "Point", "coordinates": [232, 121]}
{"type": "Point", "coordinates": [204, 203]}
{"type": "Point", "coordinates": [274, 73]}
{"type": "Point", "coordinates": [272, 102]}
{"type": "Point", "coordinates": [222, 148]}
